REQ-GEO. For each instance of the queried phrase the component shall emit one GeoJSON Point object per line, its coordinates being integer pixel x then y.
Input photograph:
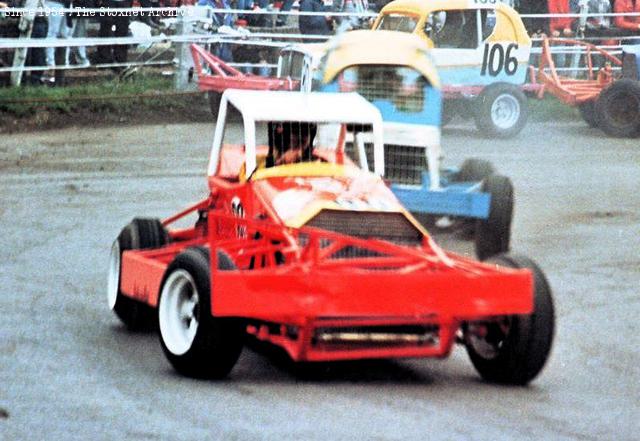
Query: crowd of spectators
{"type": "Point", "coordinates": [57, 25]}
{"type": "Point", "coordinates": [592, 23]}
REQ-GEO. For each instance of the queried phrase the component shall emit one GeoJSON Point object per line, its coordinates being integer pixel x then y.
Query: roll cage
{"type": "Point", "coordinates": [337, 110]}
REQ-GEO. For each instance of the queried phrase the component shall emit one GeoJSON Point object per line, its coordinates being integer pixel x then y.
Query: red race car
{"type": "Point", "coordinates": [301, 245]}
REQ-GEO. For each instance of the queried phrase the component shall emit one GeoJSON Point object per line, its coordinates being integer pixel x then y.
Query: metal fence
{"type": "Point", "coordinates": [176, 28]}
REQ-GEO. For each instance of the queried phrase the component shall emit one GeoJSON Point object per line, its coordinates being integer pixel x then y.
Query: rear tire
{"type": "Point", "coordinates": [588, 113]}
{"type": "Point", "coordinates": [501, 110]}
{"type": "Point", "coordinates": [196, 343]}
{"type": "Point", "coordinates": [494, 233]}
{"type": "Point", "coordinates": [514, 349]}
{"type": "Point", "coordinates": [618, 109]}
{"type": "Point", "coordinates": [140, 234]}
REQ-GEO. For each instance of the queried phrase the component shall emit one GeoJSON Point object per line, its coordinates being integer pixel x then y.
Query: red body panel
{"type": "Point", "coordinates": [324, 293]}
{"type": "Point", "coordinates": [296, 289]}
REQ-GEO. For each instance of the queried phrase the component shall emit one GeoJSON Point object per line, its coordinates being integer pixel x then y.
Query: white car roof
{"type": "Point", "coordinates": [319, 107]}
{"type": "Point", "coordinates": [303, 106]}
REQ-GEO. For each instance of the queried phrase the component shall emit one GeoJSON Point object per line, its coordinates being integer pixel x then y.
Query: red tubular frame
{"type": "Point", "coordinates": [225, 77]}
{"type": "Point", "coordinates": [573, 91]}
{"type": "Point", "coordinates": [312, 289]}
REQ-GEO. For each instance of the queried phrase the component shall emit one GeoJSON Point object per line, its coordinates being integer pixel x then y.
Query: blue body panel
{"type": "Point", "coordinates": [430, 115]}
{"type": "Point", "coordinates": [457, 199]}
{"type": "Point", "coordinates": [470, 76]}
{"type": "Point", "coordinates": [460, 199]}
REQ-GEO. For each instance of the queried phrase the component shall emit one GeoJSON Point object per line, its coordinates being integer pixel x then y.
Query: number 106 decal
{"type": "Point", "coordinates": [496, 59]}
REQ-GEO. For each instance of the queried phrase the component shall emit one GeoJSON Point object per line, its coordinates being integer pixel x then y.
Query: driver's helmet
{"type": "Point", "coordinates": [436, 21]}
{"type": "Point", "coordinates": [289, 134]}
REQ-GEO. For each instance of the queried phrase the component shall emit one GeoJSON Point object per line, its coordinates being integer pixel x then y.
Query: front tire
{"type": "Point", "coordinates": [501, 111]}
{"type": "Point", "coordinates": [494, 233]}
{"type": "Point", "coordinates": [514, 349]}
{"type": "Point", "coordinates": [140, 234]}
{"type": "Point", "coordinates": [196, 343]}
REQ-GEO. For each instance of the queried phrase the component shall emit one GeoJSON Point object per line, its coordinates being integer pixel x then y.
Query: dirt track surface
{"type": "Point", "coordinates": [69, 370]}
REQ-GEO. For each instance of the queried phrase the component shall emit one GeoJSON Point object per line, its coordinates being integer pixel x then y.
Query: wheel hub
{"type": "Point", "coordinates": [179, 312]}
{"type": "Point", "coordinates": [488, 337]}
{"type": "Point", "coordinates": [505, 111]}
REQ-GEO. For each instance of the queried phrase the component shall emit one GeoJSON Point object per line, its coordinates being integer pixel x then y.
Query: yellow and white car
{"type": "Point", "coordinates": [481, 50]}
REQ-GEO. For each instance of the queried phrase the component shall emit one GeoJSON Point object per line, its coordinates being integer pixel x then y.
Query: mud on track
{"type": "Point", "coordinates": [68, 370]}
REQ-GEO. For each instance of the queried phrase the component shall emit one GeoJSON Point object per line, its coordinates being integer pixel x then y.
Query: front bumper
{"type": "Point", "coordinates": [459, 199]}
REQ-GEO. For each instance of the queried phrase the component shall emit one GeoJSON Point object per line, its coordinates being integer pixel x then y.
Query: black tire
{"type": "Point", "coordinates": [514, 349]}
{"type": "Point", "coordinates": [140, 234]}
{"type": "Point", "coordinates": [214, 99]}
{"type": "Point", "coordinates": [588, 113]}
{"type": "Point", "coordinates": [618, 109]}
{"type": "Point", "coordinates": [216, 343]}
{"type": "Point", "coordinates": [474, 170]}
{"type": "Point", "coordinates": [500, 110]}
{"type": "Point", "coordinates": [494, 233]}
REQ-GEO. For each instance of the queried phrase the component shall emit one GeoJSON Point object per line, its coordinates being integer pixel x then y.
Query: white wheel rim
{"type": "Point", "coordinates": [179, 312]}
{"type": "Point", "coordinates": [505, 111]}
{"type": "Point", "coordinates": [113, 281]}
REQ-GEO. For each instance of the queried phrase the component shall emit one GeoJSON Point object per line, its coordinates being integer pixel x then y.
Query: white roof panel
{"type": "Point", "coordinates": [300, 106]}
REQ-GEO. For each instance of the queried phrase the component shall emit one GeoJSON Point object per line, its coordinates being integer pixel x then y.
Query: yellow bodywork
{"type": "Point", "coordinates": [509, 26]}
{"type": "Point", "coordinates": [305, 169]}
{"type": "Point", "coordinates": [320, 169]}
{"type": "Point", "coordinates": [378, 47]}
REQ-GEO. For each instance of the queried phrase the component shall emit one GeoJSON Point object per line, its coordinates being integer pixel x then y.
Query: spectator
{"type": "Point", "coordinates": [150, 18]}
{"type": "Point", "coordinates": [57, 28]}
{"type": "Point", "coordinates": [114, 26]}
{"type": "Point", "coordinates": [351, 6]}
{"type": "Point", "coordinates": [560, 26]}
{"type": "Point", "coordinates": [598, 22]}
{"type": "Point", "coordinates": [314, 24]}
{"type": "Point", "coordinates": [218, 18]}
{"type": "Point", "coordinates": [285, 7]}
{"type": "Point", "coordinates": [629, 23]}
{"type": "Point", "coordinates": [223, 50]}
{"type": "Point", "coordinates": [79, 30]}
{"type": "Point", "coordinates": [535, 26]}
{"type": "Point", "coordinates": [36, 57]}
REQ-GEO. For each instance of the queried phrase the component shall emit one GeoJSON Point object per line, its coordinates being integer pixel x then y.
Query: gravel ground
{"type": "Point", "coordinates": [70, 371]}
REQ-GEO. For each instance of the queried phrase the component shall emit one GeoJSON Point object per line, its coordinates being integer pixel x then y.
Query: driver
{"type": "Point", "coordinates": [290, 142]}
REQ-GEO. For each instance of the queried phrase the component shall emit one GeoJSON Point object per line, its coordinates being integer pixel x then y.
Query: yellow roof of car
{"type": "Point", "coordinates": [424, 7]}
{"type": "Point", "coordinates": [379, 47]}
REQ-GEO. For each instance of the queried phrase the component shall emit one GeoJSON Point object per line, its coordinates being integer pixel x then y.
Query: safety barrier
{"type": "Point", "coordinates": [194, 24]}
